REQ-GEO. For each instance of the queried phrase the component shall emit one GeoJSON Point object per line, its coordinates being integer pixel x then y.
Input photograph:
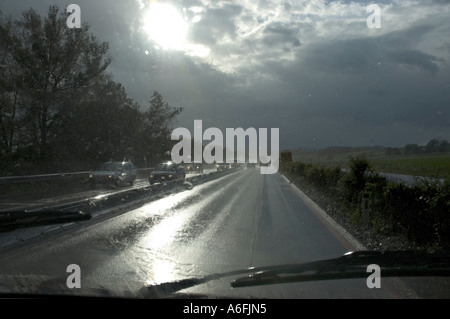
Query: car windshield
{"type": "Point", "coordinates": [225, 149]}
{"type": "Point", "coordinates": [165, 167]}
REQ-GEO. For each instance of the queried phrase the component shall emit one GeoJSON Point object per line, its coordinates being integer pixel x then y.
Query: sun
{"type": "Point", "coordinates": [166, 26]}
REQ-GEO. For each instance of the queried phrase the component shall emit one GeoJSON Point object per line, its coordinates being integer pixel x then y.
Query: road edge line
{"type": "Point", "coordinates": [322, 213]}
{"type": "Point", "coordinates": [396, 283]}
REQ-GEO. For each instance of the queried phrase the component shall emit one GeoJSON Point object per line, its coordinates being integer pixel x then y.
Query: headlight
{"type": "Point", "coordinates": [151, 176]}
{"type": "Point", "coordinates": [170, 176]}
{"type": "Point", "coordinates": [110, 176]}
{"type": "Point", "coordinates": [90, 176]}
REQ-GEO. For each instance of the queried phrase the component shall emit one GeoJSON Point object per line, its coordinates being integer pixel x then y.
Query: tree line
{"type": "Point", "coordinates": [59, 108]}
{"type": "Point", "coordinates": [433, 146]}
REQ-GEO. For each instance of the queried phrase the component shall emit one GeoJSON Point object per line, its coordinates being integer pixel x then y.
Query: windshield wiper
{"type": "Point", "coordinates": [350, 265]}
{"type": "Point", "coordinates": [19, 219]}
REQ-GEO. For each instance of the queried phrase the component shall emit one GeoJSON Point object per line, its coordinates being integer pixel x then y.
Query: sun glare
{"type": "Point", "coordinates": [166, 26]}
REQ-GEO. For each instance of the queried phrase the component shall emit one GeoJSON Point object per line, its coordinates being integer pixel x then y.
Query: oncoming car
{"type": "Point", "coordinates": [167, 172]}
{"type": "Point", "coordinates": [194, 168]}
{"type": "Point", "coordinates": [114, 173]}
{"type": "Point", "coordinates": [222, 166]}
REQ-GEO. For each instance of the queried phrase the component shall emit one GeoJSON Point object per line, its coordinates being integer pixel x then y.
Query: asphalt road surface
{"type": "Point", "coordinates": [241, 220]}
{"type": "Point", "coordinates": [25, 201]}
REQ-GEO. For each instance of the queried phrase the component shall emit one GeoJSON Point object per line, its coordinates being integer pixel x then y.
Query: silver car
{"type": "Point", "coordinates": [114, 173]}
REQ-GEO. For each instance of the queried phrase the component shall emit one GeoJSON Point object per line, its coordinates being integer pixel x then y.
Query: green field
{"type": "Point", "coordinates": [335, 156]}
{"type": "Point", "coordinates": [437, 165]}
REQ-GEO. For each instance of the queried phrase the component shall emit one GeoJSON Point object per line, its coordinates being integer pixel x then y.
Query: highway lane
{"type": "Point", "coordinates": [237, 221]}
{"type": "Point", "coordinates": [23, 202]}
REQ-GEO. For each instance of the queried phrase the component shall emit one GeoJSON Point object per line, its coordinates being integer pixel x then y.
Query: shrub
{"type": "Point", "coordinates": [421, 211]}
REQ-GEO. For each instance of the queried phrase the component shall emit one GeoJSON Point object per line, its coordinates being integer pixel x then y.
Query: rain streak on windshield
{"type": "Point", "coordinates": [225, 149]}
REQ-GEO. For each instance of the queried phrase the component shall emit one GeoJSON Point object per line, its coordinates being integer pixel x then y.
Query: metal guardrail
{"type": "Point", "coordinates": [37, 178]}
{"type": "Point", "coordinates": [79, 204]}
{"type": "Point", "coordinates": [82, 209]}
{"type": "Point", "coordinates": [45, 177]}
{"type": "Point", "coordinates": [79, 184]}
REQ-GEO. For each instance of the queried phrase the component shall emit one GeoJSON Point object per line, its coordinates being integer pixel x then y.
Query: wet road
{"type": "Point", "coordinates": [237, 221]}
{"type": "Point", "coordinates": [28, 201]}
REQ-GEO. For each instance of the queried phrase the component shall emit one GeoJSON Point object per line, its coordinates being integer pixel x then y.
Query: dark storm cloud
{"type": "Point", "coordinates": [359, 85]}
{"type": "Point", "coordinates": [415, 58]}
{"type": "Point", "coordinates": [363, 54]}
{"type": "Point", "coordinates": [321, 81]}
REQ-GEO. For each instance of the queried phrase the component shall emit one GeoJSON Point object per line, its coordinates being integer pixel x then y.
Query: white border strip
{"type": "Point", "coordinates": [316, 208]}
{"type": "Point", "coordinates": [397, 283]}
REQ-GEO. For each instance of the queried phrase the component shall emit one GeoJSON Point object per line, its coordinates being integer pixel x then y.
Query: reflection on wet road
{"type": "Point", "coordinates": [32, 200]}
{"type": "Point", "coordinates": [237, 221]}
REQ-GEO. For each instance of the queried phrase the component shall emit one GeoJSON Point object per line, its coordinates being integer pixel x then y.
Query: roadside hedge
{"type": "Point", "coordinates": [420, 211]}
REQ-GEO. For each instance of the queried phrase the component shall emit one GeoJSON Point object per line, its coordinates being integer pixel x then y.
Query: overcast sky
{"type": "Point", "coordinates": [313, 69]}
